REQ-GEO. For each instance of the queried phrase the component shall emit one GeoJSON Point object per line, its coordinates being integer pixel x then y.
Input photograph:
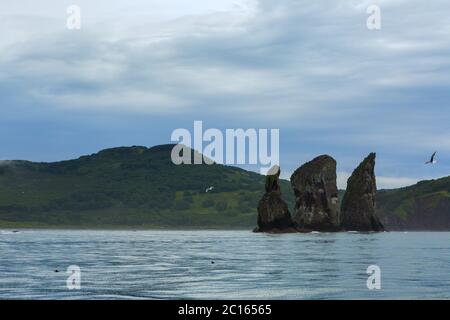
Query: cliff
{"type": "Point", "coordinates": [359, 202]}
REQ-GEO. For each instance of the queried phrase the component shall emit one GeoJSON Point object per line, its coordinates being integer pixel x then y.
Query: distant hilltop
{"type": "Point", "coordinates": [139, 187]}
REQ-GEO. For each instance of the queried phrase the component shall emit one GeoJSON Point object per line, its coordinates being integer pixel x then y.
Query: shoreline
{"type": "Point", "coordinates": [249, 230]}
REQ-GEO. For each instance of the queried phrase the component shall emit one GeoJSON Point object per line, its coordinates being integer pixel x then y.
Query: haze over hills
{"type": "Point", "coordinates": [140, 187]}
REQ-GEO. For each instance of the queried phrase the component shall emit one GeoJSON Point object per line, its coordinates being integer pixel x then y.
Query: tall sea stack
{"type": "Point", "coordinates": [316, 195]}
{"type": "Point", "coordinates": [273, 211]}
{"type": "Point", "coordinates": [358, 205]}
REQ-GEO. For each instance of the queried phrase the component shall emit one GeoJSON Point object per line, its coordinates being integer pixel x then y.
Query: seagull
{"type": "Point", "coordinates": [432, 160]}
{"type": "Point", "coordinates": [209, 189]}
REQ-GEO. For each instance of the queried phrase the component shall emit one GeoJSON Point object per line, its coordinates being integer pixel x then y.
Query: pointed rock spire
{"type": "Point", "coordinates": [273, 212]}
{"type": "Point", "coordinates": [358, 206]}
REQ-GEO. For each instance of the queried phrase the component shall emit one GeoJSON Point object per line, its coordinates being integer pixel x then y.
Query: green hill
{"type": "Point", "coordinates": [139, 187]}
{"type": "Point", "coordinates": [424, 206]}
{"type": "Point", "coordinates": [129, 186]}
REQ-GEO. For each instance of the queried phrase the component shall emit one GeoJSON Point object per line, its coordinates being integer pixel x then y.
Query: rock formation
{"type": "Point", "coordinates": [316, 195]}
{"type": "Point", "coordinates": [358, 205]}
{"type": "Point", "coordinates": [273, 211]}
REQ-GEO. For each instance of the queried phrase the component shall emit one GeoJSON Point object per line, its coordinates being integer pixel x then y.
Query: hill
{"type": "Point", "coordinates": [129, 186]}
{"type": "Point", "coordinates": [424, 206]}
{"type": "Point", "coordinates": [139, 187]}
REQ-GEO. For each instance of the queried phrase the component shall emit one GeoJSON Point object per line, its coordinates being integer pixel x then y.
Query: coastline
{"type": "Point", "coordinates": [184, 228]}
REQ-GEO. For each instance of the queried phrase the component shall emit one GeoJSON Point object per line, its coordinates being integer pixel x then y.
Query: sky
{"type": "Point", "coordinates": [139, 69]}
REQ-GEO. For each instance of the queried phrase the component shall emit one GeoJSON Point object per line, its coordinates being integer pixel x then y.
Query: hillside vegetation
{"type": "Point", "coordinates": [139, 187]}
{"type": "Point", "coordinates": [129, 186]}
{"type": "Point", "coordinates": [424, 206]}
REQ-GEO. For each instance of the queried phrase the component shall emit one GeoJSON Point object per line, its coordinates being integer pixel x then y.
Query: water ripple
{"type": "Point", "coordinates": [222, 265]}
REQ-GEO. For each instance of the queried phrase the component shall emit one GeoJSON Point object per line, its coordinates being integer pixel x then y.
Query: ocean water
{"type": "Point", "coordinates": [179, 265]}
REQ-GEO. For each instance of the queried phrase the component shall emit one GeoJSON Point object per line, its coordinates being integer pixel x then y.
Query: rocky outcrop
{"type": "Point", "coordinates": [358, 206]}
{"type": "Point", "coordinates": [273, 211]}
{"type": "Point", "coordinates": [316, 195]}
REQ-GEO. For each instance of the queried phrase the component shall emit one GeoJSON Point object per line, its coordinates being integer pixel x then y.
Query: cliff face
{"type": "Point", "coordinates": [424, 206]}
{"type": "Point", "coordinates": [358, 206]}
{"type": "Point", "coordinates": [316, 195]}
{"type": "Point", "coordinates": [273, 212]}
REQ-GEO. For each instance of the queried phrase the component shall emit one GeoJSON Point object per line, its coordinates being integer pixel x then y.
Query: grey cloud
{"type": "Point", "coordinates": [286, 57]}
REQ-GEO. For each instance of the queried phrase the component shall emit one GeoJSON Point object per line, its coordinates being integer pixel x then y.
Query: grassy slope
{"type": "Point", "coordinates": [140, 187]}
{"type": "Point", "coordinates": [135, 187]}
{"type": "Point", "coordinates": [424, 206]}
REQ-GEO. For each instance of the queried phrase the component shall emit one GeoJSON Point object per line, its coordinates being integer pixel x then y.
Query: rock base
{"type": "Point", "coordinates": [273, 214]}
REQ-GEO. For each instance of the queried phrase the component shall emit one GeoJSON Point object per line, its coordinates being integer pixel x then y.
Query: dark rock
{"type": "Point", "coordinates": [273, 211]}
{"type": "Point", "coordinates": [358, 206]}
{"type": "Point", "coordinates": [316, 195]}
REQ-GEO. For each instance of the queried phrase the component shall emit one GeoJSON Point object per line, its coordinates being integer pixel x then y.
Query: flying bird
{"type": "Point", "coordinates": [209, 189]}
{"type": "Point", "coordinates": [432, 160]}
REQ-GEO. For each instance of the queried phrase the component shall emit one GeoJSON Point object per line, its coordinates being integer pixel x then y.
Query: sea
{"type": "Point", "coordinates": [213, 264]}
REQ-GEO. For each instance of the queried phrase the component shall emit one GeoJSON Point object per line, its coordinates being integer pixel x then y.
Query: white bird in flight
{"type": "Point", "coordinates": [209, 189]}
{"type": "Point", "coordinates": [432, 160]}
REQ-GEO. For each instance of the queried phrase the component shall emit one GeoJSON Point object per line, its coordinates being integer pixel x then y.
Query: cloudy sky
{"type": "Point", "coordinates": [138, 69]}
